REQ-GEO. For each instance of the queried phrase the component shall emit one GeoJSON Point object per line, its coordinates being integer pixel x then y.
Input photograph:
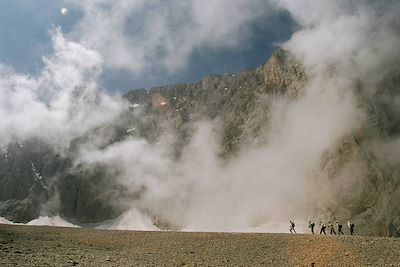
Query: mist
{"type": "Point", "coordinates": [59, 105]}
{"type": "Point", "coordinates": [340, 44]}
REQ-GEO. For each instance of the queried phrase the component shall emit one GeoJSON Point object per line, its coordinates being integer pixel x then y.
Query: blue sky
{"type": "Point", "coordinates": [24, 31]}
{"type": "Point", "coordinates": [25, 38]}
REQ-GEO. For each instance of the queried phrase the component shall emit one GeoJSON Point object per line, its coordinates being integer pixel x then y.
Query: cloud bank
{"type": "Point", "coordinates": [358, 38]}
{"type": "Point", "coordinates": [60, 104]}
{"type": "Point", "coordinates": [139, 35]}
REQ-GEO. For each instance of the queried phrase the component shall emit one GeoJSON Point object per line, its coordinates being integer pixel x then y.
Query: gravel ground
{"type": "Point", "coordinates": [54, 246]}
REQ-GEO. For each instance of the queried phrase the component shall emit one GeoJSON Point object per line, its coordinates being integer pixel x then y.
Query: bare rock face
{"type": "Point", "coordinates": [283, 74]}
{"type": "Point", "coordinates": [35, 181]}
{"type": "Point", "coordinates": [238, 100]}
{"type": "Point", "coordinates": [362, 173]}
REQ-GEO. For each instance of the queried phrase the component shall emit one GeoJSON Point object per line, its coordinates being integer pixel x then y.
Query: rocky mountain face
{"type": "Point", "coordinates": [239, 101]}
{"type": "Point", "coordinates": [371, 192]}
{"type": "Point", "coordinates": [34, 179]}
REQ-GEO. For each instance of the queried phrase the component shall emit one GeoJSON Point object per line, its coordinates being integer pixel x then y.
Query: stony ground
{"type": "Point", "coordinates": [53, 246]}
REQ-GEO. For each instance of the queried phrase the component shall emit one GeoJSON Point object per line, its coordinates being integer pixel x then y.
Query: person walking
{"type": "Point", "coordinates": [323, 227]}
{"type": "Point", "coordinates": [339, 226]}
{"type": "Point", "coordinates": [351, 227]}
{"type": "Point", "coordinates": [332, 228]}
{"type": "Point", "coordinates": [292, 225]}
{"type": "Point", "coordinates": [311, 225]}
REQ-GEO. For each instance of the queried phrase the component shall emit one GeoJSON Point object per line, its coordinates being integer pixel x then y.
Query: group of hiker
{"type": "Point", "coordinates": [323, 226]}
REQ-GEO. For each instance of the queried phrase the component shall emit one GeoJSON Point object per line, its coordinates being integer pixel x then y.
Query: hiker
{"type": "Point", "coordinates": [332, 228]}
{"type": "Point", "coordinates": [339, 226]}
{"type": "Point", "coordinates": [351, 227]}
{"type": "Point", "coordinates": [292, 227]}
{"type": "Point", "coordinates": [311, 225]}
{"type": "Point", "coordinates": [322, 228]}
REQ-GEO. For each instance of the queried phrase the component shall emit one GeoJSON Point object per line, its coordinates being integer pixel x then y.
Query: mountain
{"type": "Point", "coordinates": [237, 100]}
{"type": "Point", "coordinates": [361, 186]}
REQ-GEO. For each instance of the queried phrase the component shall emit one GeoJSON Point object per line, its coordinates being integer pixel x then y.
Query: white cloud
{"type": "Point", "coordinates": [139, 35]}
{"type": "Point", "coordinates": [61, 103]}
{"type": "Point", "coordinates": [358, 38]}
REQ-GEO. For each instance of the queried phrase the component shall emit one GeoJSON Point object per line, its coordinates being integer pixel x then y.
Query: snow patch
{"type": "Point", "coordinates": [38, 177]}
{"type": "Point", "coordinates": [5, 221]}
{"type": "Point", "coordinates": [131, 220]}
{"type": "Point", "coordinates": [134, 105]}
{"type": "Point", "coordinates": [130, 130]}
{"type": "Point", "coordinates": [51, 221]}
